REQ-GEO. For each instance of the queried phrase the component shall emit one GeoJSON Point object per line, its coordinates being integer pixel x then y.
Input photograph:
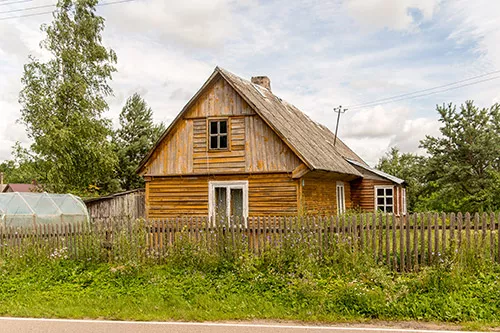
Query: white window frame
{"type": "Point", "coordinates": [340, 203]}
{"type": "Point", "coordinates": [240, 184]}
{"type": "Point", "coordinates": [376, 188]}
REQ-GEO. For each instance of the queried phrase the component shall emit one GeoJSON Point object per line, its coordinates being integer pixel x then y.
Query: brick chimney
{"type": "Point", "coordinates": [262, 81]}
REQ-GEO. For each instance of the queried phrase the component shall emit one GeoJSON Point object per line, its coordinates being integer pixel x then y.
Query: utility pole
{"type": "Point", "coordinates": [339, 110]}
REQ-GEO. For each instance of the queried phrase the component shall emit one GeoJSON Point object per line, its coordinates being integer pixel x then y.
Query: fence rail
{"type": "Point", "coordinates": [403, 243]}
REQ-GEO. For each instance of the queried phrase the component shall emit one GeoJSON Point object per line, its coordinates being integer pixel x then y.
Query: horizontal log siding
{"type": "Point", "coordinates": [269, 194]}
{"type": "Point", "coordinates": [232, 160]}
{"type": "Point", "coordinates": [319, 196]}
{"type": "Point", "coordinates": [363, 194]}
{"type": "Point", "coordinates": [272, 194]}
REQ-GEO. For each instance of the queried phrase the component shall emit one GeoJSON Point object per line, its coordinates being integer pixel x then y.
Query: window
{"type": "Point", "coordinates": [340, 198]}
{"type": "Point", "coordinates": [228, 199]}
{"type": "Point", "coordinates": [218, 134]}
{"type": "Point", "coordinates": [384, 198]}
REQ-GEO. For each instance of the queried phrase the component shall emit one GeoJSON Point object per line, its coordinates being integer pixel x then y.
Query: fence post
{"type": "Point", "coordinates": [387, 240]}
{"type": "Point", "coordinates": [498, 234]}
{"type": "Point", "coordinates": [374, 236]}
{"type": "Point", "coordinates": [416, 225]}
{"type": "Point", "coordinates": [380, 238]}
{"type": "Point", "coordinates": [408, 222]}
{"type": "Point", "coordinates": [467, 230]}
{"type": "Point", "coordinates": [401, 246]}
{"type": "Point", "coordinates": [394, 243]}
{"type": "Point", "coordinates": [492, 237]}
{"type": "Point", "coordinates": [476, 232]}
{"type": "Point", "coordinates": [483, 235]}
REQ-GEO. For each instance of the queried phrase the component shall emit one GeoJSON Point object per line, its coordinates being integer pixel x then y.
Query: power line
{"type": "Point", "coordinates": [424, 90]}
{"type": "Point", "coordinates": [3, 3]}
{"type": "Point", "coordinates": [26, 9]}
{"type": "Point", "coordinates": [49, 12]}
{"type": "Point", "coordinates": [428, 94]}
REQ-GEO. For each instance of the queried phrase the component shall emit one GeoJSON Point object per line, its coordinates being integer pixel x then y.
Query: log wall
{"type": "Point", "coordinates": [363, 194]}
{"type": "Point", "coordinates": [268, 194]}
{"type": "Point", "coordinates": [319, 196]}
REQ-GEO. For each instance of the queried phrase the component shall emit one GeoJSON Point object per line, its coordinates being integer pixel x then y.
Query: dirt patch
{"type": "Point", "coordinates": [413, 325]}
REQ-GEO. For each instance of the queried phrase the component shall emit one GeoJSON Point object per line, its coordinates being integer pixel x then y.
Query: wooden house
{"type": "Point", "coordinates": [236, 149]}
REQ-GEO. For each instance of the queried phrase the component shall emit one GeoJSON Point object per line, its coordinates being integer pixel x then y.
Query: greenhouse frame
{"type": "Point", "coordinates": [20, 209]}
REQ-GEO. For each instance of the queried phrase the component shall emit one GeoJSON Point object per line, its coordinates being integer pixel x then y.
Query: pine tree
{"type": "Point", "coordinates": [135, 137]}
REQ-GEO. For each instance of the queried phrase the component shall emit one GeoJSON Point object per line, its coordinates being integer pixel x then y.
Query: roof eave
{"type": "Point", "coordinates": [380, 173]}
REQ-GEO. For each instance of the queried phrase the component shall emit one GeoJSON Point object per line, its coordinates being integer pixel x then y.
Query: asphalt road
{"type": "Point", "coordinates": [27, 325]}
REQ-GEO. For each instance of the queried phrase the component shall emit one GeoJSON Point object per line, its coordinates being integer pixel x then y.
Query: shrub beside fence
{"type": "Point", "coordinates": [402, 243]}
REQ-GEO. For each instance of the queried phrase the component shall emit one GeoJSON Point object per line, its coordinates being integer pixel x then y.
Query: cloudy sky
{"type": "Point", "coordinates": [318, 54]}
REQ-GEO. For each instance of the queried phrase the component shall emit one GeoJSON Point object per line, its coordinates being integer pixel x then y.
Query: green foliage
{"type": "Point", "coordinates": [463, 169]}
{"type": "Point", "coordinates": [249, 288]}
{"type": "Point", "coordinates": [13, 173]}
{"type": "Point", "coordinates": [133, 140]}
{"type": "Point", "coordinates": [409, 167]}
{"type": "Point", "coordinates": [63, 100]}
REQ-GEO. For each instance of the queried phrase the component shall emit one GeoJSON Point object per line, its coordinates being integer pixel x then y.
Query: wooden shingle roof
{"type": "Point", "coordinates": [312, 141]}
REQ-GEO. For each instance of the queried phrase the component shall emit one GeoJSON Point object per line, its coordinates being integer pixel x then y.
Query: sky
{"type": "Point", "coordinates": [318, 55]}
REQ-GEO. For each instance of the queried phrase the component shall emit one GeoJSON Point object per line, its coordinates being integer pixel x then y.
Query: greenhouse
{"type": "Point", "coordinates": [19, 209]}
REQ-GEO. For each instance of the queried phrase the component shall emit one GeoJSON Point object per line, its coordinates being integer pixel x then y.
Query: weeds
{"type": "Point", "coordinates": [219, 277]}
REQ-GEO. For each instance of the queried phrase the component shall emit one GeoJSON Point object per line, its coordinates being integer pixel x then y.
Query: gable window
{"type": "Point", "coordinates": [384, 199]}
{"type": "Point", "coordinates": [340, 198]}
{"type": "Point", "coordinates": [218, 134]}
{"type": "Point", "coordinates": [228, 199]}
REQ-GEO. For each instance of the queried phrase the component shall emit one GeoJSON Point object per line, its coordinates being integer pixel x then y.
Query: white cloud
{"type": "Point", "coordinates": [476, 22]}
{"type": "Point", "coordinates": [391, 14]}
{"type": "Point", "coordinates": [196, 23]}
{"type": "Point", "coordinates": [314, 51]}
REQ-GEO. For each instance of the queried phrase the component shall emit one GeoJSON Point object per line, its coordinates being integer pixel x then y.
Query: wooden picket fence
{"type": "Point", "coordinates": [403, 243]}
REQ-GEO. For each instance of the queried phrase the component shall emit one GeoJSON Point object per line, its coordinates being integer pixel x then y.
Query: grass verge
{"type": "Point", "coordinates": [273, 286]}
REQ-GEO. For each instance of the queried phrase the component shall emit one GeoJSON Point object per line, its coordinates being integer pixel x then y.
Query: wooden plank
{"type": "Point", "coordinates": [387, 240]}
{"type": "Point", "coordinates": [380, 238]}
{"type": "Point", "coordinates": [394, 243]}
{"type": "Point", "coordinates": [476, 232]}
{"type": "Point", "coordinates": [452, 228]}
{"type": "Point", "coordinates": [374, 235]}
{"type": "Point", "coordinates": [300, 171]}
{"type": "Point", "coordinates": [436, 237]}
{"type": "Point", "coordinates": [484, 246]}
{"type": "Point", "coordinates": [401, 246]}
{"type": "Point", "coordinates": [430, 219]}
{"type": "Point", "coordinates": [408, 222]}
{"type": "Point", "coordinates": [492, 236]}
{"type": "Point", "coordinates": [467, 230]}
{"type": "Point", "coordinates": [498, 234]}
{"type": "Point", "coordinates": [459, 230]}
{"type": "Point", "coordinates": [416, 227]}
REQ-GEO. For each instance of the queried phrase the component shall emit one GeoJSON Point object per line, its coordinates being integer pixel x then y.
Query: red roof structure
{"type": "Point", "coordinates": [19, 188]}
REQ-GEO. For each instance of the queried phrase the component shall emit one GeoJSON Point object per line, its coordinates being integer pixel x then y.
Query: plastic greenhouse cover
{"type": "Point", "coordinates": [23, 209]}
